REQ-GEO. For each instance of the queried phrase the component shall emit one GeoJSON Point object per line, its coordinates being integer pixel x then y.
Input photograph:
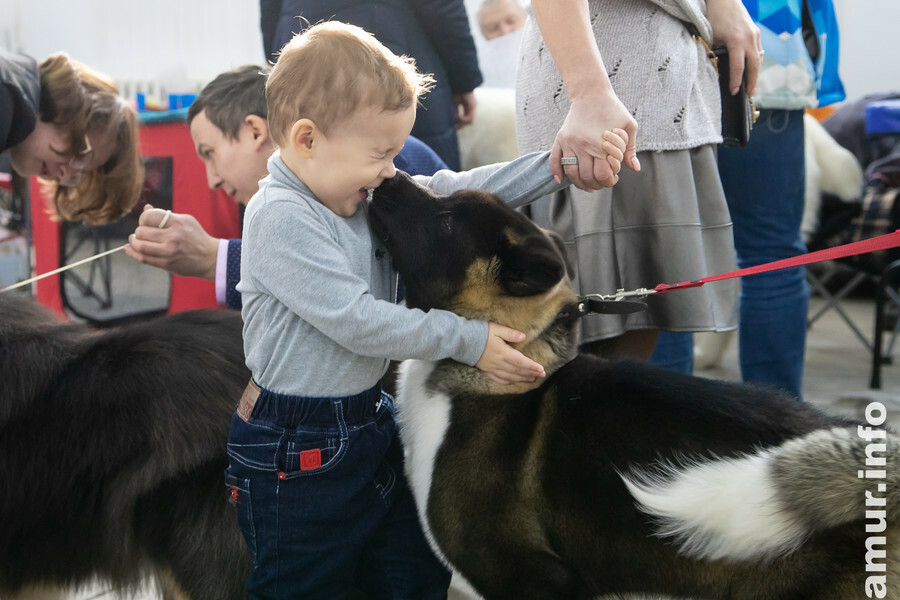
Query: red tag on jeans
{"type": "Point", "coordinates": [310, 459]}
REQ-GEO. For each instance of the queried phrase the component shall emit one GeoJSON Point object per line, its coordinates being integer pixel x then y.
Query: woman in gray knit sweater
{"type": "Point", "coordinates": [634, 64]}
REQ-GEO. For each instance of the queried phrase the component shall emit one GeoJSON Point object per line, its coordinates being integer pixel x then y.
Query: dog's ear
{"type": "Point", "coordinates": [561, 246]}
{"type": "Point", "coordinates": [530, 268]}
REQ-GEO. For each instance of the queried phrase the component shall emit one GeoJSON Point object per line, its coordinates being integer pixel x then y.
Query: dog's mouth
{"type": "Point", "coordinates": [379, 228]}
{"type": "Point", "coordinates": [381, 200]}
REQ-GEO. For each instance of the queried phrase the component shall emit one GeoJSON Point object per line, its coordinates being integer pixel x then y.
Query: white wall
{"type": "Point", "coordinates": [187, 42]}
{"type": "Point", "coordinates": [181, 44]}
{"type": "Point", "coordinates": [870, 55]}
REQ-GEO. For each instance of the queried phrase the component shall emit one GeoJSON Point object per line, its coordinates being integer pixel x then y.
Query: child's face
{"type": "Point", "coordinates": [356, 157]}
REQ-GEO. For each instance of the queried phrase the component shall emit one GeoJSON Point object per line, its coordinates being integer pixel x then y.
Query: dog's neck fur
{"type": "Point", "coordinates": [550, 341]}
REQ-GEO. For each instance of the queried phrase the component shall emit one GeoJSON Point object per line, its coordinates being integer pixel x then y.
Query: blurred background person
{"type": "Point", "coordinates": [500, 25]}
{"type": "Point", "coordinates": [764, 185]}
{"type": "Point", "coordinates": [636, 65]}
{"type": "Point", "coordinates": [492, 136]}
{"type": "Point", "coordinates": [497, 18]}
{"type": "Point", "coordinates": [434, 32]}
{"type": "Point", "coordinates": [66, 123]}
{"type": "Point", "coordinates": [229, 126]}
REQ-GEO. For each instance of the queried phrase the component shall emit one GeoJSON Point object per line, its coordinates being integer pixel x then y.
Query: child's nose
{"type": "Point", "coordinates": [389, 170]}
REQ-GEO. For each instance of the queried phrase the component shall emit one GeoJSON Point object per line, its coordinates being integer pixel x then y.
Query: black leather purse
{"type": "Point", "coordinates": [738, 111]}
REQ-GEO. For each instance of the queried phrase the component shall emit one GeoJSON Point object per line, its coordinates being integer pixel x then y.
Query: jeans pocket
{"type": "Point", "coordinates": [252, 448]}
{"type": "Point", "coordinates": [240, 498]}
{"type": "Point", "coordinates": [308, 453]}
{"type": "Point", "coordinates": [313, 449]}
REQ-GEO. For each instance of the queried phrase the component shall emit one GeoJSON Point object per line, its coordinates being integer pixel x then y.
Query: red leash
{"type": "Point", "coordinates": [881, 242]}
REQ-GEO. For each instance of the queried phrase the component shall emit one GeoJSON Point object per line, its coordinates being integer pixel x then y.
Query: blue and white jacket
{"type": "Point", "coordinates": [790, 78]}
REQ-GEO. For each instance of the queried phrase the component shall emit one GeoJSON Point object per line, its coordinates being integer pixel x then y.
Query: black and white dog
{"type": "Point", "coordinates": [614, 478]}
{"type": "Point", "coordinates": [112, 453]}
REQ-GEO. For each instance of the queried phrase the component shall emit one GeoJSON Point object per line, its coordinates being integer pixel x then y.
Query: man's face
{"type": "Point", "coordinates": [232, 165]}
{"type": "Point", "coordinates": [501, 18]}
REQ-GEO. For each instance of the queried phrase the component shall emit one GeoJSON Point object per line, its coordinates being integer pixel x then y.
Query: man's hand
{"type": "Point", "coordinates": [503, 363]}
{"type": "Point", "coordinates": [181, 247]}
{"type": "Point", "coordinates": [465, 108]}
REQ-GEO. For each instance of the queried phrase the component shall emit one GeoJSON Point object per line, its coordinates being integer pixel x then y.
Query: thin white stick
{"type": "Point", "coordinates": [61, 269]}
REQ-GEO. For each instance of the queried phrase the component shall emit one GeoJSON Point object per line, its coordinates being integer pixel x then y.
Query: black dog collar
{"type": "Point", "coordinates": [598, 305]}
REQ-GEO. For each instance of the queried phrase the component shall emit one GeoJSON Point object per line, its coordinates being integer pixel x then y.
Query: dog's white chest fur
{"type": "Point", "coordinates": [423, 417]}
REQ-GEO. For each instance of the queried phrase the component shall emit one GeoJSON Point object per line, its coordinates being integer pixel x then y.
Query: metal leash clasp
{"type": "Point", "coordinates": [622, 302]}
{"type": "Point", "coordinates": [622, 294]}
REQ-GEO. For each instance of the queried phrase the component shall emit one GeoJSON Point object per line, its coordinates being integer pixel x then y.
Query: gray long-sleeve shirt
{"type": "Point", "coordinates": [319, 292]}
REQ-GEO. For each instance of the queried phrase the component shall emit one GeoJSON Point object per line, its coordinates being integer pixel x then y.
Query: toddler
{"type": "Point", "coordinates": [315, 466]}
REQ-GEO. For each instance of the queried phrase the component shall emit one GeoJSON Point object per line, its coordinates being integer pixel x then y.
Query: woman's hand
{"type": "Point", "coordinates": [733, 27]}
{"type": "Point", "coordinates": [581, 136]}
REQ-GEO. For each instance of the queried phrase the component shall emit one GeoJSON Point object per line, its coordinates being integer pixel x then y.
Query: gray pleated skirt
{"type": "Point", "coordinates": [667, 223]}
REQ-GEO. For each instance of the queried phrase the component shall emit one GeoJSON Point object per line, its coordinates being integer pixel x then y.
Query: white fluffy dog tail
{"type": "Point", "coordinates": [768, 503]}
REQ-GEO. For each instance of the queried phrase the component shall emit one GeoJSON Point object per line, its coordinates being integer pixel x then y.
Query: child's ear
{"type": "Point", "coordinates": [304, 134]}
{"type": "Point", "coordinates": [259, 130]}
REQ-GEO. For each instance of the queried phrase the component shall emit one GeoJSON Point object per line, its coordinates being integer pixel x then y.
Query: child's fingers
{"type": "Point", "coordinates": [617, 137]}
{"type": "Point", "coordinates": [507, 378]}
{"type": "Point", "coordinates": [616, 167]}
{"type": "Point", "coordinates": [503, 363]}
{"type": "Point", "coordinates": [614, 151]}
{"type": "Point", "coordinates": [519, 364]}
{"type": "Point", "coordinates": [507, 334]}
{"type": "Point", "coordinates": [614, 145]}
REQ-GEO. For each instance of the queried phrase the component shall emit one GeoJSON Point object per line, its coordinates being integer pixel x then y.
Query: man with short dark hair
{"type": "Point", "coordinates": [229, 126]}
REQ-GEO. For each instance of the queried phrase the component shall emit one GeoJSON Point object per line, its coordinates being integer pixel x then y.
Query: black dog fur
{"type": "Point", "coordinates": [112, 452]}
{"type": "Point", "coordinates": [528, 491]}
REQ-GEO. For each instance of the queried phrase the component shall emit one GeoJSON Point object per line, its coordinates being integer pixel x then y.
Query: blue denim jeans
{"type": "Point", "coordinates": [764, 184]}
{"type": "Point", "coordinates": [674, 351]}
{"type": "Point", "coordinates": [323, 503]}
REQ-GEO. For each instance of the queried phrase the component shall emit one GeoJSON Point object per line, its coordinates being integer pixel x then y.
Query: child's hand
{"type": "Point", "coordinates": [614, 144]}
{"type": "Point", "coordinates": [503, 363]}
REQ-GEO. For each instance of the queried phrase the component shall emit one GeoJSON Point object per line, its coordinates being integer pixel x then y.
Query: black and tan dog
{"type": "Point", "coordinates": [607, 477]}
{"type": "Point", "coordinates": [112, 453]}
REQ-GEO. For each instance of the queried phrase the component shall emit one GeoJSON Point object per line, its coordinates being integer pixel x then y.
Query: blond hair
{"type": "Point", "coordinates": [331, 70]}
{"type": "Point", "coordinates": [79, 99]}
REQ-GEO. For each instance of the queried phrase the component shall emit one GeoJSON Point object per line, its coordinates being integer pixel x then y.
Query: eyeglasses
{"type": "Point", "coordinates": [77, 164]}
